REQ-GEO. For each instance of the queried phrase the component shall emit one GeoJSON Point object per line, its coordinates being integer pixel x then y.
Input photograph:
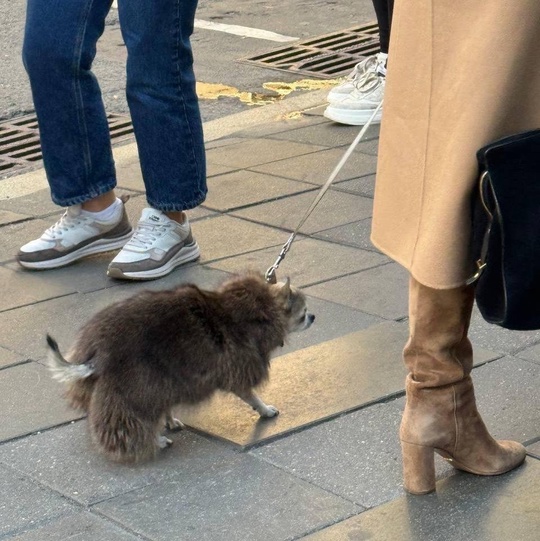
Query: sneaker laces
{"type": "Point", "coordinates": [69, 220]}
{"type": "Point", "coordinates": [369, 73]}
{"type": "Point", "coordinates": [146, 234]}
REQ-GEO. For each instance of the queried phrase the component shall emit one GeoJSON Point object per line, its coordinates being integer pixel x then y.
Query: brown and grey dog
{"type": "Point", "coordinates": [138, 358]}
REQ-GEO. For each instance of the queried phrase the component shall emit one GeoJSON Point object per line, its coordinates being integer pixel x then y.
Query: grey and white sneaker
{"type": "Point", "coordinates": [372, 65]}
{"type": "Point", "coordinates": [355, 108]}
{"type": "Point", "coordinates": [77, 234]}
{"type": "Point", "coordinates": [158, 246]}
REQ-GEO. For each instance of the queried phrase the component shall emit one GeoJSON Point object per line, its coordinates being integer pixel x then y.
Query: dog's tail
{"type": "Point", "coordinates": [63, 370]}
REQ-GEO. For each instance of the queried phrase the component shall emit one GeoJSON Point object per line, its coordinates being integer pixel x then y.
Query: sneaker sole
{"type": "Point", "coordinates": [186, 255]}
{"type": "Point", "coordinates": [351, 117]}
{"type": "Point", "coordinates": [98, 247]}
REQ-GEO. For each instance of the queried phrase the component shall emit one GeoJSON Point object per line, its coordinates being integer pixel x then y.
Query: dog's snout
{"type": "Point", "coordinates": [311, 318]}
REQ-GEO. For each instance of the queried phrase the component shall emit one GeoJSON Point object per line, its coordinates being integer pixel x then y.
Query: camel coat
{"type": "Point", "coordinates": [461, 74]}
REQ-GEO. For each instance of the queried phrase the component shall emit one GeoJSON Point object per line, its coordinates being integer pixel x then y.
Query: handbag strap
{"type": "Point", "coordinates": [484, 182]}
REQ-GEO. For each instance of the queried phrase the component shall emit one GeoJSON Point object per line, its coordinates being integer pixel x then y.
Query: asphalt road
{"type": "Point", "coordinates": [217, 52]}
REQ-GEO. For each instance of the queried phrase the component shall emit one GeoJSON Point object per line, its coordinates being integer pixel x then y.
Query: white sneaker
{"type": "Point", "coordinates": [77, 234]}
{"type": "Point", "coordinates": [158, 246]}
{"type": "Point", "coordinates": [356, 107]}
{"type": "Point", "coordinates": [371, 65]}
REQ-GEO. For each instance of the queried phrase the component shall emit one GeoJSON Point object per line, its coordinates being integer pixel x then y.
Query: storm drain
{"type": "Point", "coordinates": [20, 146]}
{"type": "Point", "coordinates": [328, 56]}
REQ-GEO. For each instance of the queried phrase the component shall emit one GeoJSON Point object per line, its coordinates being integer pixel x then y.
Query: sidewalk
{"type": "Point", "coordinates": [328, 468]}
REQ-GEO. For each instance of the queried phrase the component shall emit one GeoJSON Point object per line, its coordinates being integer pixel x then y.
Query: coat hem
{"type": "Point", "coordinates": [412, 272]}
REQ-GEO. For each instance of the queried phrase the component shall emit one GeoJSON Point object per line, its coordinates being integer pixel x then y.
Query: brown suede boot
{"type": "Point", "coordinates": [440, 415]}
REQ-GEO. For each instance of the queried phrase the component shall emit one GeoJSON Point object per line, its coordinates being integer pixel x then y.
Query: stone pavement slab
{"type": "Point", "coordinates": [25, 504]}
{"type": "Point", "coordinates": [362, 185]}
{"type": "Point", "coordinates": [87, 477]}
{"type": "Point", "coordinates": [495, 337]}
{"type": "Point", "coordinates": [329, 134]}
{"type": "Point", "coordinates": [29, 401]}
{"type": "Point", "coordinates": [226, 236]}
{"type": "Point", "coordinates": [303, 386]}
{"type": "Point", "coordinates": [308, 261]}
{"type": "Point", "coordinates": [530, 354]}
{"type": "Point", "coordinates": [241, 498]}
{"type": "Point", "coordinates": [13, 236]}
{"type": "Point", "coordinates": [244, 188]}
{"type": "Point", "coordinates": [78, 527]}
{"type": "Point", "coordinates": [356, 456]}
{"type": "Point", "coordinates": [258, 151]}
{"type": "Point", "coordinates": [381, 291]}
{"type": "Point", "coordinates": [8, 217]}
{"type": "Point", "coordinates": [354, 234]}
{"type": "Point", "coordinates": [464, 507]}
{"type": "Point", "coordinates": [316, 168]}
{"type": "Point", "coordinates": [335, 208]}
{"type": "Point", "coordinates": [534, 449]}
{"type": "Point", "coordinates": [8, 357]}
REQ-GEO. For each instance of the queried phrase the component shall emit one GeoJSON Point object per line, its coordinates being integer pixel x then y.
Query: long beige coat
{"type": "Point", "coordinates": [461, 74]}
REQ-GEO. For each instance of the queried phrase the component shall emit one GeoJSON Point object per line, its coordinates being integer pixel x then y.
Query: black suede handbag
{"type": "Point", "coordinates": [506, 232]}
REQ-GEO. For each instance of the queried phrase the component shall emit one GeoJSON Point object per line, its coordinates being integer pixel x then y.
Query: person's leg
{"type": "Point", "coordinates": [168, 128]}
{"type": "Point", "coordinates": [59, 47]}
{"type": "Point", "coordinates": [384, 10]}
{"type": "Point", "coordinates": [58, 51]}
{"type": "Point", "coordinates": [163, 102]}
{"type": "Point", "coordinates": [440, 413]}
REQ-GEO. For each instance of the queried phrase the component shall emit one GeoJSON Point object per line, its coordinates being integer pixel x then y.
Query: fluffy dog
{"type": "Point", "coordinates": [138, 358]}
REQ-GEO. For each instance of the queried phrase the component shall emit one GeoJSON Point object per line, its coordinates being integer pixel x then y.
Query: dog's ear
{"type": "Point", "coordinates": [284, 291]}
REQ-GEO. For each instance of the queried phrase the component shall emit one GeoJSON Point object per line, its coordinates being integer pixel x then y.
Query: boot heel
{"type": "Point", "coordinates": [418, 468]}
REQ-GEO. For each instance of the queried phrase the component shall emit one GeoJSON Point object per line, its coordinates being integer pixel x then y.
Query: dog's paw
{"type": "Point", "coordinates": [164, 442]}
{"type": "Point", "coordinates": [268, 411]}
{"type": "Point", "coordinates": [174, 424]}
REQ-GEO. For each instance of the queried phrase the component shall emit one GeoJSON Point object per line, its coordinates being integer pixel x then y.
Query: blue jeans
{"type": "Point", "coordinates": [59, 48]}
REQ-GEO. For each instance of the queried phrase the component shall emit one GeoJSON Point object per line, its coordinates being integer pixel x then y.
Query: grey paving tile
{"type": "Point", "coordinates": [65, 460]}
{"type": "Point", "coordinates": [363, 185]}
{"type": "Point", "coordinates": [534, 449]}
{"type": "Point", "coordinates": [500, 339]}
{"type": "Point", "coordinates": [335, 208]}
{"type": "Point", "coordinates": [508, 398]}
{"type": "Point", "coordinates": [368, 147]}
{"type": "Point", "coordinates": [213, 169]}
{"type": "Point", "coordinates": [332, 321]}
{"type": "Point", "coordinates": [281, 125]}
{"type": "Point", "coordinates": [464, 507]}
{"type": "Point", "coordinates": [8, 357]}
{"type": "Point", "coordinates": [367, 286]}
{"type": "Point", "coordinates": [241, 498]}
{"type": "Point", "coordinates": [129, 176]}
{"type": "Point", "coordinates": [34, 204]}
{"type": "Point", "coordinates": [225, 141]}
{"type": "Point", "coordinates": [8, 217]}
{"type": "Point", "coordinates": [24, 504]}
{"type": "Point", "coordinates": [365, 366]}
{"type": "Point", "coordinates": [21, 286]}
{"type": "Point", "coordinates": [330, 134]}
{"type": "Point", "coordinates": [308, 261]}
{"type": "Point", "coordinates": [30, 400]}
{"type": "Point", "coordinates": [531, 353]}
{"type": "Point", "coordinates": [243, 188]}
{"type": "Point", "coordinates": [13, 236]}
{"type": "Point", "coordinates": [354, 234]}
{"type": "Point", "coordinates": [225, 236]}
{"type": "Point", "coordinates": [24, 328]}
{"type": "Point", "coordinates": [78, 527]}
{"type": "Point", "coordinates": [258, 151]}
{"type": "Point", "coordinates": [356, 456]}
{"type": "Point", "coordinates": [316, 168]}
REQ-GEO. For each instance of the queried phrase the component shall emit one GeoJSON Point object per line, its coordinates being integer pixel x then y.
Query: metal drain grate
{"type": "Point", "coordinates": [20, 146]}
{"type": "Point", "coordinates": [328, 56]}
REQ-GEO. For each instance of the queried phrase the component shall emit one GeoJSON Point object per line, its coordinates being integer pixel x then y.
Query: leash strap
{"type": "Point", "coordinates": [271, 272]}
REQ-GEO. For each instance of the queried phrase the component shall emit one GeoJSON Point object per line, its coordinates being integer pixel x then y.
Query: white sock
{"type": "Point", "coordinates": [107, 215]}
